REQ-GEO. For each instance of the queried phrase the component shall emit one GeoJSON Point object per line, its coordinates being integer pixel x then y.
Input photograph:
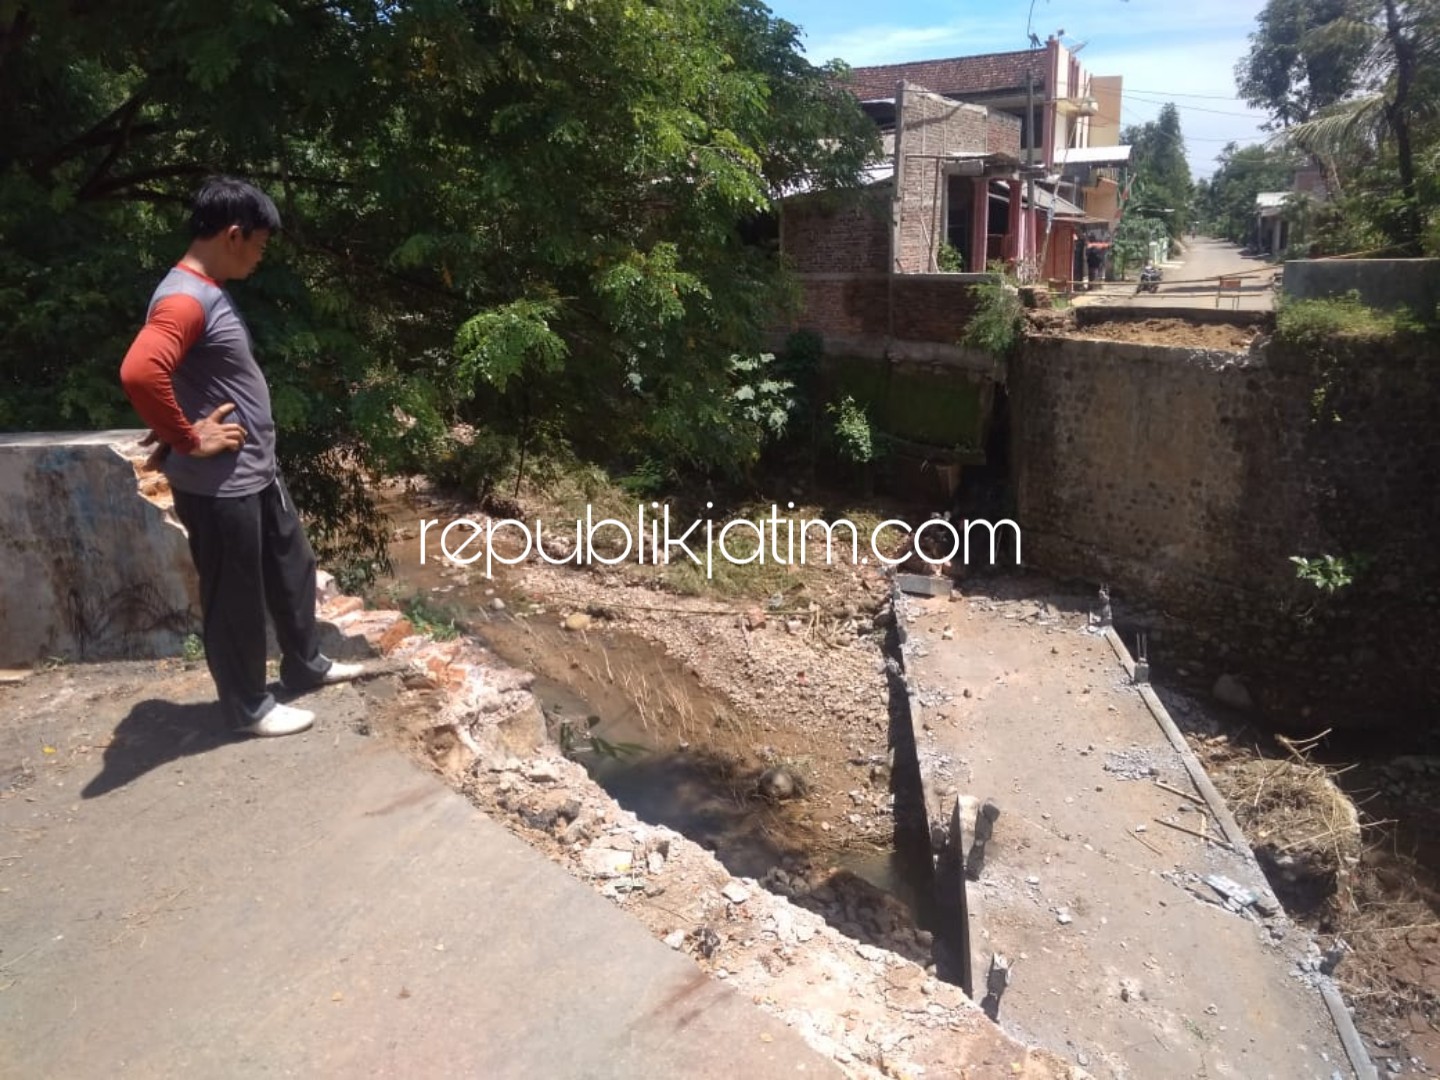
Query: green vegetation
{"type": "Point", "coordinates": [427, 617]}
{"type": "Point", "coordinates": [1353, 87]}
{"type": "Point", "coordinates": [1163, 189]}
{"type": "Point", "coordinates": [574, 742]}
{"type": "Point", "coordinates": [1322, 328]}
{"type": "Point", "coordinates": [949, 259]}
{"type": "Point", "coordinates": [1298, 64]}
{"type": "Point", "coordinates": [997, 324]}
{"type": "Point", "coordinates": [854, 440]}
{"type": "Point", "coordinates": [1329, 573]}
{"type": "Point", "coordinates": [1225, 203]}
{"type": "Point", "coordinates": [192, 649]}
{"type": "Point", "coordinates": [513, 232]}
{"type": "Point", "coordinates": [1322, 322]}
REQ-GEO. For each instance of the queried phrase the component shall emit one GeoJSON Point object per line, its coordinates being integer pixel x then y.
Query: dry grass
{"type": "Point", "coordinates": [1376, 899]}
{"type": "Point", "coordinates": [1293, 808]}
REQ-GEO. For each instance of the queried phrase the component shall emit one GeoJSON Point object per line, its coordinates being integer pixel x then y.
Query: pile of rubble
{"type": "Point", "coordinates": [876, 1011]}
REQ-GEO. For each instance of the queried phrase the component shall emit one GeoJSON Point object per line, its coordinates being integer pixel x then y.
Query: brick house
{"type": "Point", "coordinates": [1076, 115]}
{"type": "Point", "coordinates": [966, 172]}
{"type": "Point", "coordinates": [955, 177]}
{"type": "Point", "coordinates": [869, 267]}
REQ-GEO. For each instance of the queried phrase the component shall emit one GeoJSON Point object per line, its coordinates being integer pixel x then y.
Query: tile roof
{"type": "Point", "coordinates": [956, 76]}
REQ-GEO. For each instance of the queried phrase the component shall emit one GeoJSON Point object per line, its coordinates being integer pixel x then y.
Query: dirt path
{"type": "Point", "coordinates": [1118, 962]}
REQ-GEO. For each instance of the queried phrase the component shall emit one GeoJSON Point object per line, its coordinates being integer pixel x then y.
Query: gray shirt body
{"type": "Point", "coordinates": [219, 368]}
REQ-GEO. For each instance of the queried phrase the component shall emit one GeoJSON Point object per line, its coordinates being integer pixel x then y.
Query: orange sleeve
{"type": "Point", "coordinates": [175, 324]}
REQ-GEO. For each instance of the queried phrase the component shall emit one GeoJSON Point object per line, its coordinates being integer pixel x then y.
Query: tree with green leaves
{"type": "Point", "coordinates": [1163, 187]}
{"type": "Point", "coordinates": [1226, 202]}
{"type": "Point", "coordinates": [1296, 65]}
{"type": "Point", "coordinates": [526, 217]}
{"type": "Point", "coordinates": [1391, 114]}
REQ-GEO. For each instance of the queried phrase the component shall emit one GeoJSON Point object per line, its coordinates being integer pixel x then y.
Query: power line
{"type": "Point", "coordinates": [1176, 93]}
{"type": "Point", "coordinates": [1193, 108]}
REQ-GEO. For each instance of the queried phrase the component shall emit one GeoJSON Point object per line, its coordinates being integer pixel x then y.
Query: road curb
{"type": "Point", "coordinates": [1340, 1013]}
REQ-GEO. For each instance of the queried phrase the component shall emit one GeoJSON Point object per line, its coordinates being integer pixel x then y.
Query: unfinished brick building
{"type": "Point", "coordinates": [964, 184]}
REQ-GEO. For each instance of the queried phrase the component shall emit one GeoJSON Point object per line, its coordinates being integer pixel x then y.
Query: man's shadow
{"type": "Point", "coordinates": [155, 733]}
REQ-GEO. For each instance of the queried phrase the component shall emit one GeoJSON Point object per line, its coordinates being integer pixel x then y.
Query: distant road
{"type": "Point", "coordinates": [1193, 279]}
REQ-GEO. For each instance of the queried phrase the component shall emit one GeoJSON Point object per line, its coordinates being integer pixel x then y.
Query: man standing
{"type": "Point", "coordinates": [1095, 263]}
{"type": "Point", "coordinates": [192, 376]}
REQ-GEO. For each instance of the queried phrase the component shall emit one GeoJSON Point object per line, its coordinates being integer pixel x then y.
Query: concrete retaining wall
{"type": "Point", "coordinates": [1381, 283]}
{"type": "Point", "coordinates": [89, 569]}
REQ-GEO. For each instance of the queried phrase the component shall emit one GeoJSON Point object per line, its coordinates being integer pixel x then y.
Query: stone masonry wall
{"type": "Point", "coordinates": [89, 570]}
{"type": "Point", "coordinates": [931, 127]}
{"type": "Point", "coordinates": [1187, 479]}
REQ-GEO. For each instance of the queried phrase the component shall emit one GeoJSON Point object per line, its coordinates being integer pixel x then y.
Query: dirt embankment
{"type": "Point", "coordinates": [1167, 332]}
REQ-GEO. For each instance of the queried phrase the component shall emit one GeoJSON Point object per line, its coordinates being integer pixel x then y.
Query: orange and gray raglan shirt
{"type": "Point", "coordinates": [193, 355]}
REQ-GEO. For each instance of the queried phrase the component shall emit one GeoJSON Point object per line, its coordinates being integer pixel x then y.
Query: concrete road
{"type": "Point", "coordinates": [1192, 280]}
{"type": "Point", "coordinates": [174, 903]}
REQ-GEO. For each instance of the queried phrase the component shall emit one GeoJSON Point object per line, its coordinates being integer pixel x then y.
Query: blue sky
{"type": "Point", "coordinates": [1167, 50]}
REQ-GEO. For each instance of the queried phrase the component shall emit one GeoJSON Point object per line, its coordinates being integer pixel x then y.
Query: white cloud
{"type": "Point", "coordinates": [895, 44]}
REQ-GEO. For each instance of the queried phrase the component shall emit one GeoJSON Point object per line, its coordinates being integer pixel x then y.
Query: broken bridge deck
{"type": "Point", "coordinates": [1124, 958]}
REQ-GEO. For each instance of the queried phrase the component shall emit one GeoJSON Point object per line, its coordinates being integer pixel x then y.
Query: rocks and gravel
{"type": "Point", "coordinates": [1136, 763]}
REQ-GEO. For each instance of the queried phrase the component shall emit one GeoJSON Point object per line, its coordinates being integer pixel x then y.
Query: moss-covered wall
{"type": "Point", "coordinates": [935, 407]}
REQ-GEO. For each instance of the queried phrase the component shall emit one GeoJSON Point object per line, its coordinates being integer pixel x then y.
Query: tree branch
{"type": "Point", "coordinates": [101, 133]}
{"type": "Point", "coordinates": [117, 145]}
{"type": "Point", "coordinates": [113, 187]}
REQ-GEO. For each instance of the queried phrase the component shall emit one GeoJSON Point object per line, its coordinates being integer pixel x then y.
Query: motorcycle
{"type": "Point", "coordinates": [1149, 279]}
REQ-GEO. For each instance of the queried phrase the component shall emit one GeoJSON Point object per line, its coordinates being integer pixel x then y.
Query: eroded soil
{"type": "Point", "coordinates": [1175, 333]}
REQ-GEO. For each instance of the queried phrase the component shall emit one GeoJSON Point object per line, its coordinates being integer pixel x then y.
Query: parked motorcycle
{"type": "Point", "coordinates": [1149, 279]}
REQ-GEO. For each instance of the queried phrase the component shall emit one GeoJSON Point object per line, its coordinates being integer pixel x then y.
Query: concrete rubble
{"type": "Point", "coordinates": [876, 1012]}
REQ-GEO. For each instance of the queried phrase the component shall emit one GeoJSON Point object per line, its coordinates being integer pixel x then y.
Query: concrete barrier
{"type": "Point", "coordinates": [89, 568]}
{"type": "Point", "coordinates": [1381, 283]}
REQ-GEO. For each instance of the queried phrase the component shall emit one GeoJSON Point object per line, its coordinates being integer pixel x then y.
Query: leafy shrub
{"type": "Point", "coordinates": [995, 325]}
{"type": "Point", "coordinates": [1330, 573]}
{"type": "Point", "coordinates": [854, 439]}
{"type": "Point", "coordinates": [1314, 322]}
{"type": "Point", "coordinates": [949, 259]}
{"type": "Point", "coordinates": [475, 461]}
{"type": "Point", "coordinates": [429, 618]}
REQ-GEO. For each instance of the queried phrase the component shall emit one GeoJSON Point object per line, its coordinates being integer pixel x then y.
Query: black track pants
{"type": "Point", "coordinates": [251, 554]}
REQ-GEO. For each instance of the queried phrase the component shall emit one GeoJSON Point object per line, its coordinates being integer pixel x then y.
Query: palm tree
{"type": "Point", "coordinates": [1402, 42]}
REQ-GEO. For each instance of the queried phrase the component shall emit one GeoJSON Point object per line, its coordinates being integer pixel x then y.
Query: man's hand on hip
{"type": "Point", "coordinates": [216, 436]}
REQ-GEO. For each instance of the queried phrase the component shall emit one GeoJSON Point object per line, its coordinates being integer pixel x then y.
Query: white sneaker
{"type": "Point", "coordinates": [336, 673]}
{"type": "Point", "coordinates": [339, 673]}
{"type": "Point", "coordinates": [281, 720]}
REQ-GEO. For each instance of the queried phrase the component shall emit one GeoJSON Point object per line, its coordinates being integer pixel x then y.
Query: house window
{"type": "Point", "coordinates": [761, 231]}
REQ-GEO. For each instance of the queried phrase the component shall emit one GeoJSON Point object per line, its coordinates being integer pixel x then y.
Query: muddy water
{"type": "Point", "coordinates": [662, 744]}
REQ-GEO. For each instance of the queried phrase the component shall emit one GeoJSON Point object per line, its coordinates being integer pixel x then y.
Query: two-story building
{"type": "Point", "coordinates": [1068, 156]}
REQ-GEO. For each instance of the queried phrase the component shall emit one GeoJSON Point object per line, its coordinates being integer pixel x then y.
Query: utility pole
{"type": "Point", "coordinates": [1029, 211]}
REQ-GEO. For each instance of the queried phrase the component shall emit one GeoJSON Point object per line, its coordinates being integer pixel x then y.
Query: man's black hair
{"type": "Point", "coordinates": [223, 201]}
